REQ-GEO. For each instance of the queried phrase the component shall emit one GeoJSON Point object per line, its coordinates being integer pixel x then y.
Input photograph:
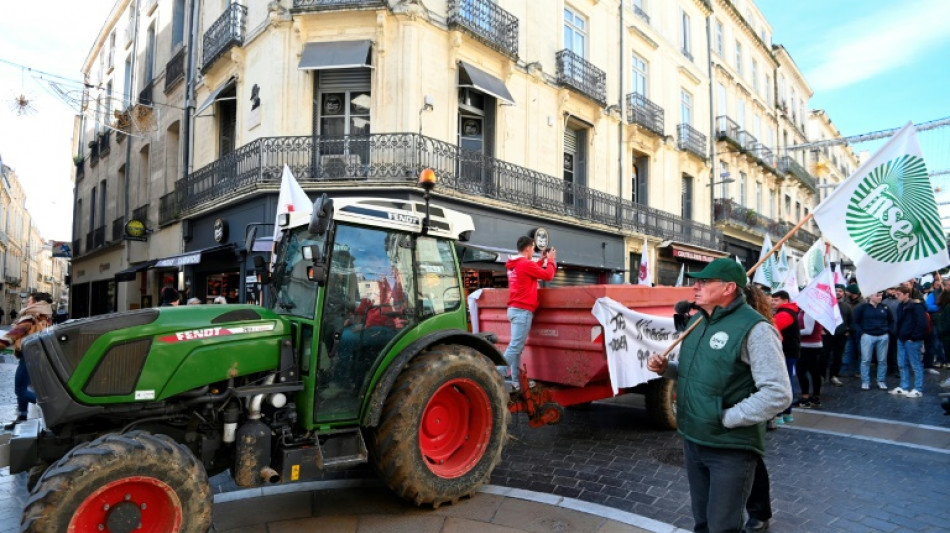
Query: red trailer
{"type": "Point", "coordinates": [565, 352]}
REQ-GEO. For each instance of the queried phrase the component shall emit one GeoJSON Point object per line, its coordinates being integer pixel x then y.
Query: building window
{"type": "Point", "coordinates": [798, 210]}
{"type": "Point", "coordinates": [756, 125]}
{"type": "Point", "coordinates": [740, 113]}
{"type": "Point", "coordinates": [640, 75]}
{"type": "Point", "coordinates": [758, 196]}
{"type": "Point", "coordinates": [92, 208]}
{"type": "Point", "coordinates": [788, 205]}
{"type": "Point", "coordinates": [755, 77]}
{"type": "Point", "coordinates": [641, 177]}
{"type": "Point", "coordinates": [149, 55]}
{"type": "Point", "coordinates": [687, 197]}
{"type": "Point", "coordinates": [108, 116]}
{"type": "Point", "coordinates": [102, 204]}
{"type": "Point", "coordinates": [719, 39]}
{"type": "Point", "coordinates": [178, 24]}
{"type": "Point", "coordinates": [743, 188]}
{"type": "Point", "coordinates": [686, 107]}
{"type": "Point", "coordinates": [768, 90]}
{"type": "Point", "coordinates": [738, 58]}
{"type": "Point", "coordinates": [723, 176]}
{"type": "Point", "coordinates": [687, 43]}
{"type": "Point", "coordinates": [575, 32]}
{"type": "Point", "coordinates": [127, 83]}
{"type": "Point", "coordinates": [721, 100]}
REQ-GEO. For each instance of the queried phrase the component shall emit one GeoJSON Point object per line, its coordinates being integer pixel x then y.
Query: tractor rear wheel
{"type": "Point", "coordinates": [121, 483]}
{"type": "Point", "coordinates": [442, 427]}
{"type": "Point", "coordinates": [661, 403]}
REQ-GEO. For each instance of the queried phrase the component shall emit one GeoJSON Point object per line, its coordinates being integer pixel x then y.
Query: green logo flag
{"type": "Point", "coordinates": [884, 217]}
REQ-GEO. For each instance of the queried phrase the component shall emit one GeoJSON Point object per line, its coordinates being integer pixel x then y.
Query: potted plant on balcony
{"type": "Point", "coordinates": [751, 217]}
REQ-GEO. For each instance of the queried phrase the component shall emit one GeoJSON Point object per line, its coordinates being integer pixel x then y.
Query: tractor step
{"type": "Point", "coordinates": [342, 449]}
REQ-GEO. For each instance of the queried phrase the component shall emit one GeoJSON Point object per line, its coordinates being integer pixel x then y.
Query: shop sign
{"type": "Point", "coordinates": [135, 230]}
{"type": "Point", "coordinates": [179, 261]}
{"type": "Point", "coordinates": [220, 230]}
{"type": "Point", "coordinates": [541, 238]}
{"type": "Point", "coordinates": [692, 256]}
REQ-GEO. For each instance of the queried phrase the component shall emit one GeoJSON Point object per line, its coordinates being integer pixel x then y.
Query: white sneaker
{"type": "Point", "coordinates": [933, 371]}
{"type": "Point", "coordinates": [883, 386]}
{"type": "Point", "coordinates": [865, 386]}
{"type": "Point", "coordinates": [897, 391]}
{"type": "Point", "coordinates": [914, 393]}
{"type": "Point", "coordinates": [945, 384]}
{"type": "Point", "coordinates": [836, 382]}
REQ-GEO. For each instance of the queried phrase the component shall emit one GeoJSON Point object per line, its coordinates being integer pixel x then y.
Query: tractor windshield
{"type": "Point", "coordinates": [293, 293]}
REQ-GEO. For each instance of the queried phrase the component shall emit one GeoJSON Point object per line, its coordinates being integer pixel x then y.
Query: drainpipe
{"type": "Point", "coordinates": [128, 142]}
{"type": "Point", "coordinates": [712, 123]}
{"type": "Point", "coordinates": [620, 104]}
{"type": "Point", "coordinates": [188, 119]}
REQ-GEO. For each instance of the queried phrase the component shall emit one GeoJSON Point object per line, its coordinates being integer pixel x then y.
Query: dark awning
{"type": "Point", "coordinates": [215, 93]}
{"type": "Point", "coordinates": [480, 80]}
{"type": "Point", "coordinates": [129, 274]}
{"type": "Point", "coordinates": [336, 54]}
{"type": "Point", "coordinates": [190, 258]}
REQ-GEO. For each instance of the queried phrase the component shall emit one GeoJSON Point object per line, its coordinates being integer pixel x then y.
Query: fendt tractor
{"type": "Point", "coordinates": [361, 354]}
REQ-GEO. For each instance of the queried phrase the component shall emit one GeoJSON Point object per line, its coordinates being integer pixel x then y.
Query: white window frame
{"type": "Point", "coordinates": [755, 77]}
{"type": "Point", "coordinates": [685, 29]}
{"type": "Point", "coordinates": [575, 26]}
{"type": "Point", "coordinates": [640, 70]}
{"type": "Point", "coordinates": [720, 38]}
{"type": "Point", "coordinates": [738, 57]}
{"type": "Point", "coordinates": [686, 107]}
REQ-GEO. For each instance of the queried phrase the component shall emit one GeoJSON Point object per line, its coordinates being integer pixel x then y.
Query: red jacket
{"type": "Point", "coordinates": [784, 320]}
{"type": "Point", "coordinates": [523, 276]}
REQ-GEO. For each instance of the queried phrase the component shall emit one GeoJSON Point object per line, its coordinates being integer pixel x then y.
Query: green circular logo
{"type": "Point", "coordinates": [892, 215]}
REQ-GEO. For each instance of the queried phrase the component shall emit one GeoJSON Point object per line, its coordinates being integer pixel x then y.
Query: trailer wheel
{"type": "Point", "coordinates": [442, 427]}
{"type": "Point", "coordinates": [661, 403]}
{"type": "Point", "coordinates": [121, 483]}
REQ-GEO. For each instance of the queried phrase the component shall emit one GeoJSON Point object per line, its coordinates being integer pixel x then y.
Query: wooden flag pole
{"type": "Point", "coordinates": [748, 273]}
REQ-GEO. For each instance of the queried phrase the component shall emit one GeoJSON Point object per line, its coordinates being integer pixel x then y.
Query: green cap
{"type": "Point", "coordinates": [725, 269]}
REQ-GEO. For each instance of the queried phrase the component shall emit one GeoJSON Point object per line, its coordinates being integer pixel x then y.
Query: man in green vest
{"type": "Point", "coordinates": [731, 379]}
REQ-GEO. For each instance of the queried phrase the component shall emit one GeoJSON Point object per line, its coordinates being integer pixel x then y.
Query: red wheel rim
{"type": "Point", "coordinates": [456, 428]}
{"type": "Point", "coordinates": [156, 503]}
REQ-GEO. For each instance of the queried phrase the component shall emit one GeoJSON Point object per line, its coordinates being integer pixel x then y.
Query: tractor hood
{"type": "Point", "coordinates": [148, 356]}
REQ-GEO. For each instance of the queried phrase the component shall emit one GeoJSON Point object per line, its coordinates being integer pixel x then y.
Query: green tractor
{"type": "Point", "coordinates": [362, 354]}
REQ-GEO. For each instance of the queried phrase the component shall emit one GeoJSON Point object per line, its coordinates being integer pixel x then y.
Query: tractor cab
{"type": "Point", "coordinates": [360, 279]}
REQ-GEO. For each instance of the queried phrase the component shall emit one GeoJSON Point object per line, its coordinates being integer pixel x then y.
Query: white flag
{"type": "Point", "coordinates": [884, 217]}
{"type": "Point", "coordinates": [782, 268]}
{"type": "Point", "coordinates": [291, 199]}
{"type": "Point", "coordinates": [790, 285]}
{"type": "Point", "coordinates": [644, 277]}
{"type": "Point", "coordinates": [813, 262]}
{"type": "Point", "coordinates": [818, 300]}
{"type": "Point", "coordinates": [765, 274]}
{"type": "Point", "coordinates": [839, 276]}
{"type": "Point", "coordinates": [630, 337]}
{"type": "Point", "coordinates": [679, 279]}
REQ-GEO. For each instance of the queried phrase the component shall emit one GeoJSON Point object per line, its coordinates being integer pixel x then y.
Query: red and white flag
{"type": "Point", "coordinates": [292, 199]}
{"type": "Point", "coordinates": [818, 300]}
{"type": "Point", "coordinates": [644, 277]}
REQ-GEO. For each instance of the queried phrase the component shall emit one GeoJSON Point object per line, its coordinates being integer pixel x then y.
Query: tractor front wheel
{"type": "Point", "coordinates": [121, 483]}
{"type": "Point", "coordinates": [443, 426]}
{"type": "Point", "coordinates": [661, 403]}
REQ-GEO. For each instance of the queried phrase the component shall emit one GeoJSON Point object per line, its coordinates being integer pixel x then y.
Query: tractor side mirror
{"type": "Point", "coordinates": [322, 215]}
{"type": "Point", "coordinates": [317, 271]}
{"type": "Point", "coordinates": [261, 266]}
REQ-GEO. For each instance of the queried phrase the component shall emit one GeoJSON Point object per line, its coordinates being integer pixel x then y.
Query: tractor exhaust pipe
{"type": "Point", "coordinates": [269, 475]}
{"type": "Point", "coordinates": [252, 452]}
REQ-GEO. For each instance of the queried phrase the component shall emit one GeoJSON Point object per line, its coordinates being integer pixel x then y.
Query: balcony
{"type": "Point", "coordinates": [175, 69]}
{"type": "Point", "coordinates": [764, 156]}
{"type": "Point", "coordinates": [145, 95]}
{"type": "Point", "coordinates": [485, 21]}
{"type": "Point", "coordinates": [141, 213]}
{"type": "Point", "coordinates": [105, 142]}
{"type": "Point", "coordinates": [224, 33]}
{"type": "Point", "coordinates": [395, 159]}
{"type": "Point", "coordinates": [788, 165]}
{"type": "Point", "coordinates": [641, 14]}
{"type": "Point", "coordinates": [80, 169]}
{"type": "Point", "coordinates": [643, 112]}
{"type": "Point", "coordinates": [99, 237]}
{"type": "Point", "coordinates": [93, 153]}
{"type": "Point", "coordinates": [118, 229]}
{"type": "Point", "coordinates": [77, 247]}
{"type": "Point", "coordinates": [747, 141]}
{"type": "Point", "coordinates": [90, 244]}
{"type": "Point", "coordinates": [727, 130]}
{"type": "Point", "coordinates": [329, 5]}
{"type": "Point", "coordinates": [575, 72]}
{"type": "Point", "coordinates": [168, 208]}
{"type": "Point", "coordinates": [691, 140]}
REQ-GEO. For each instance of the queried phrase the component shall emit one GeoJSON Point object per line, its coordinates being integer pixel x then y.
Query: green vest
{"type": "Point", "coordinates": [712, 378]}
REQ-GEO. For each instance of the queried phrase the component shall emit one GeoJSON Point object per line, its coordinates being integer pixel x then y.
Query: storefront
{"type": "Point", "coordinates": [676, 256]}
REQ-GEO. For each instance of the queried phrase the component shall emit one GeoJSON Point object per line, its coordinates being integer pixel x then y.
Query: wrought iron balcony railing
{"type": "Point", "coordinates": [80, 169]}
{"type": "Point", "coordinates": [77, 247]}
{"type": "Point", "coordinates": [89, 242]}
{"type": "Point", "coordinates": [642, 14]}
{"type": "Point", "coordinates": [145, 95]}
{"type": "Point", "coordinates": [397, 159]}
{"type": "Point", "coordinates": [641, 111]}
{"type": "Point", "coordinates": [747, 141]}
{"type": "Point", "coordinates": [788, 165]}
{"type": "Point", "coordinates": [487, 22]}
{"type": "Point", "coordinates": [118, 229]}
{"type": "Point", "coordinates": [328, 5]}
{"type": "Point", "coordinates": [765, 155]}
{"type": "Point", "coordinates": [726, 210]}
{"type": "Point", "coordinates": [94, 152]}
{"type": "Point", "coordinates": [99, 237]}
{"type": "Point", "coordinates": [105, 142]}
{"type": "Point", "coordinates": [578, 74]}
{"type": "Point", "coordinates": [727, 130]}
{"type": "Point", "coordinates": [168, 208]}
{"type": "Point", "coordinates": [691, 140]}
{"type": "Point", "coordinates": [175, 69]}
{"type": "Point", "coordinates": [224, 33]}
{"type": "Point", "coordinates": [141, 213]}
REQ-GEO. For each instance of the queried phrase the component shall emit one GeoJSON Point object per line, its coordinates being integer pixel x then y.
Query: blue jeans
{"type": "Point", "coordinates": [21, 387]}
{"type": "Point", "coordinates": [871, 344]}
{"type": "Point", "coordinates": [520, 326]}
{"type": "Point", "coordinates": [720, 481]}
{"type": "Point", "coordinates": [849, 356]}
{"type": "Point", "coordinates": [909, 356]}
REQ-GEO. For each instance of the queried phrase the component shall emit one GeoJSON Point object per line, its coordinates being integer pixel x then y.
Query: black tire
{"type": "Point", "coordinates": [164, 477]}
{"type": "Point", "coordinates": [409, 446]}
{"type": "Point", "coordinates": [661, 403]}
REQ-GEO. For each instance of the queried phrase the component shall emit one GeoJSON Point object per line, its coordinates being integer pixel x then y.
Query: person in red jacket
{"type": "Point", "coordinates": [523, 276]}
